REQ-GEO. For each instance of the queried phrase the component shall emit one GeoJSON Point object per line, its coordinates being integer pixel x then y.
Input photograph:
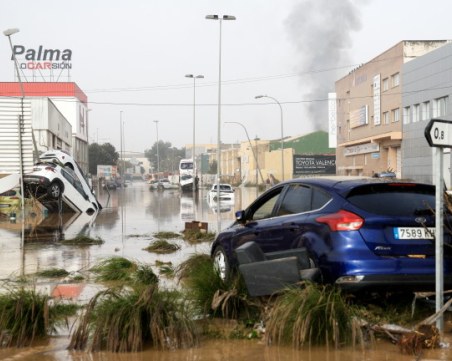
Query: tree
{"type": "Point", "coordinates": [169, 156]}
{"type": "Point", "coordinates": [104, 154]}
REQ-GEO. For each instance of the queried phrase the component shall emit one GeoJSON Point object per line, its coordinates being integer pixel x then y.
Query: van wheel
{"type": "Point", "coordinates": [55, 190]}
{"type": "Point", "coordinates": [221, 263]}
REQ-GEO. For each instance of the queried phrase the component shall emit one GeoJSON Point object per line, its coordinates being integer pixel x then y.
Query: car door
{"type": "Point", "coordinates": [260, 223]}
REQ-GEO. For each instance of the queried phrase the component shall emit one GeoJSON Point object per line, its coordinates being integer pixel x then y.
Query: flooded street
{"type": "Point", "coordinates": [130, 218]}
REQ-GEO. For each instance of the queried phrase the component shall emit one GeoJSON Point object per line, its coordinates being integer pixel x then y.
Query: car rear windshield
{"type": "Point", "coordinates": [394, 199]}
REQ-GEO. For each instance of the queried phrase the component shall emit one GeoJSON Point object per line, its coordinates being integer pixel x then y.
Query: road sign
{"type": "Point", "coordinates": [438, 133]}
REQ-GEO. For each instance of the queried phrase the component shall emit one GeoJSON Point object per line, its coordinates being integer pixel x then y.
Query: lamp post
{"type": "Point", "coordinates": [252, 149]}
{"type": "Point", "coordinates": [220, 19]}
{"type": "Point", "coordinates": [194, 187]}
{"type": "Point", "coordinates": [282, 132]}
{"type": "Point", "coordinates": [8, 33]}
{"type": "Point", "coordinates": [121, 130]}
{"type": "Point", "coordinates": [158, 156]}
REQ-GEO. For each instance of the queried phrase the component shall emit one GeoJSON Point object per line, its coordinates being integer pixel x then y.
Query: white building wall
{"type": "Point", "coordinates": [10, 112]}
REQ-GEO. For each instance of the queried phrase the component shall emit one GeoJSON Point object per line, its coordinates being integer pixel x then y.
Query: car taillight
{"type": "Point", "coordinates": [50, 168]}
{"type": "Point", "coordinates": [342, 221]}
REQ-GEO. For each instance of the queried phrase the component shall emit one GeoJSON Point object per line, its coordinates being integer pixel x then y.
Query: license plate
{"type": "Point", "coordinates": [414, 233]}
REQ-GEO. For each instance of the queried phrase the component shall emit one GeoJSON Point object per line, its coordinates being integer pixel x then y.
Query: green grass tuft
{"type": "Point", "coordinates": [162, 246]}
{"type": "Point", "coordinates": [197, 236]}
{"type": "Point", "coordinates": [82, 240]}
{"type": "Point", "coordinates": [53, 273]}
{"type": "Point", "coordinates": [211, 295]}
{"type": "Point", "coordinates": [312, 315]}
{"type": "Point", "coordinates": [167, 235]}
{"type": "Point", "coordinates": [125, 321]}
{"type": "Point", "coordinates": [114, 269]}
{"type": "Point", "coordinates": [26, 315]}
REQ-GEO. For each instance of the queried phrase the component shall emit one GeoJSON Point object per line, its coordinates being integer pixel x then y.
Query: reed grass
{"type": "Point", "coordinates": [312, 315]}
{"type": "Point", "coordinates": [114, 269]}
{"type": "Point", "coordinates": [83, 240]}
{"type": "Point", "coordinates": [162, 246]}
{"type": "Point", "coordinates": [212, 296]}
{"type": "Point", "coordinates": [126, 321]}
{"type": "Point", "coordinates": [53, 273]}
{"type": "Point", "coordinates": [167, 235]}
{"type": "Point", "coordinates": [26, 315]}
{"type": "Point", "coordinates": [197, 236]}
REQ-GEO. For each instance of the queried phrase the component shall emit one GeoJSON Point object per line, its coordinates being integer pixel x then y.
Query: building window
{"type": "Point", "coordinates": [406, 115]}
{"type": "Point", "coordinates": [386, 118]}
{"type": "Point", "coordinates": [416, 113]}
{"type": "Point", "coordinates": [440, 107]}
{"type": "Point", "coordinates": [395, 79]}
{"type": "Point", "coordinates": [395, 115]}
{"type": "Point", "coordinates": [425, 111]}
{"type": "Point", "coordinates": [385, 84]}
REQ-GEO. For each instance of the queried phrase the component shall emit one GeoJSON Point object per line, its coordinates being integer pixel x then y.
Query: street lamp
{"type": "Point", "coordinates": [158, 157]}
{"type": "Point", "coordinates": [220, 19]}
{"type": "Point", "coordinates": [194, 187]}
{"type": "Point", "coordinates": [252, 149]}
{"type": "Point", "coordinates": [121, 132]}
{"type": "Point", "coordinates": [8, 33]}
{"type": "Point", "coordinates": [282, 133]}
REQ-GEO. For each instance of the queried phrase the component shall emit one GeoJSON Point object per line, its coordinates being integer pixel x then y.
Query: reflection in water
{"type": "Point", "coordinates": [54, 227]}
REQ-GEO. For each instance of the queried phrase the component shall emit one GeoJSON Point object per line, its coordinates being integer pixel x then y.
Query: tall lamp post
{"type": "Point", "coordinates": [8, 33]}
{"type": "Point", "coordinates": [220, 19]}
{"type": "Point", "coordinates": [121, 138]}
{"type": "Point", "coordinates": [194, 77]}
{"type": "Point", "coordinates": [158, 156]}
{"type": "Point", "coordinates": [252, 149]}
{"type": "Point", "coordinates": [282, 132]}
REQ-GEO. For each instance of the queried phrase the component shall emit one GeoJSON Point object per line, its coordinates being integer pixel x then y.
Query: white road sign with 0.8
{"type": "Point", "coordinates": [440, 134]}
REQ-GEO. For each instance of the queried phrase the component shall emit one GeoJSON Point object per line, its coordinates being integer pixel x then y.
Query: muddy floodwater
{"type": "Point", "coordinates": [130, 218]}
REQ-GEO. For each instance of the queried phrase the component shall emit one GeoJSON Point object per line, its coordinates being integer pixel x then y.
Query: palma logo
{"type": "Point", "coordinates": [42, 58]}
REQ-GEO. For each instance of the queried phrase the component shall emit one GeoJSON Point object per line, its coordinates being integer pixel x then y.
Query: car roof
{"type": "Point", "coordinates": [343, 184]}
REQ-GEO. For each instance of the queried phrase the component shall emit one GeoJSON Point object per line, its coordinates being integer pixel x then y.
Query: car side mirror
{"type": "Point", "coordinates": [240, 216]}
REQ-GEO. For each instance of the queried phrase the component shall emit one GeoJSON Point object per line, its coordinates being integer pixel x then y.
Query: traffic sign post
{"type": "Point", "coordinates": [438, 133]}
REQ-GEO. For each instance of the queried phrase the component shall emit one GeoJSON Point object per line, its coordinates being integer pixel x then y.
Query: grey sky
{"type": "Point", "coordinates": [132, 56]}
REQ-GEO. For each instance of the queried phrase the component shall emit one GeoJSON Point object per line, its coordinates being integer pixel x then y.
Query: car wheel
{"type": "Point", "coordinates": [55, 190]}
{"type": "Point", "coordinates": [221, 263]}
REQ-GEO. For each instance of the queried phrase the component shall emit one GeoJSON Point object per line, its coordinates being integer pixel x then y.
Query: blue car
{"type": "Point", "coordinates": [362, 233]}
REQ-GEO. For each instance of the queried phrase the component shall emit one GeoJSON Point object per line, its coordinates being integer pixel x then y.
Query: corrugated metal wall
{"type": "Point", "coordinates": [10, 113]}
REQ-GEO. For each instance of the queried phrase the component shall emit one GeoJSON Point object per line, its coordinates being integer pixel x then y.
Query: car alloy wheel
{"type": "Point", "coordinates": [220, 263]}
{"type": "Point", "coordinates": [55, 190]}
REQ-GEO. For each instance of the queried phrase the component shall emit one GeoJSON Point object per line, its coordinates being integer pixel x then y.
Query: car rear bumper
{"type": "Point", "coordinates": [391, 282]}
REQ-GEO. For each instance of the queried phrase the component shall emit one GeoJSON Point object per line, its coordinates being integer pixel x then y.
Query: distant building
{"type": "Point", "coordinates": [427, 94]}
{"type": "Point", "coordinates": [369, 111]}
{"type": "Point", "coordinates": [55, 117]}
{"type": "Point", "coordinates": [260, 161]}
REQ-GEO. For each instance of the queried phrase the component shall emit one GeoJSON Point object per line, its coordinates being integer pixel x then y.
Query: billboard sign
{"type": "Point", "coordinates": [314, 164]}
{"type": "Point", "coordinates": [42, 58]}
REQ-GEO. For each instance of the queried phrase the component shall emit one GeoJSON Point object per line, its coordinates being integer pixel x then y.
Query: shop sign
{"type": "Point", "coordinates": [314, 164]}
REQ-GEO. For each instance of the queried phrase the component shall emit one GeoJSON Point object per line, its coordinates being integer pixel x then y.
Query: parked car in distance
{"type": "Point", "coordinates": [49, 183]}
{"type": "Point", "coordinates": [226, 192]}
{"type": "Point", "coordinates": [161, 184]}
{"type": "Point", "coordinates": [10, 201]}
{"type": "Point", "coordinates": [361, 233]}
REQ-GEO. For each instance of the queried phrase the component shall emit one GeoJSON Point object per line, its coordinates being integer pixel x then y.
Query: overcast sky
{"type": "Point", "coordinates": [132, 56]}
